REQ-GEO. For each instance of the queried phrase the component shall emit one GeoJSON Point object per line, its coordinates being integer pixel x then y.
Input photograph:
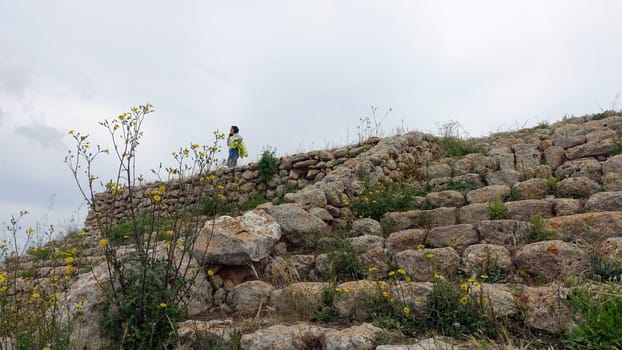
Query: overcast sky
{"type": "Point", "coordinates": [294, 75]}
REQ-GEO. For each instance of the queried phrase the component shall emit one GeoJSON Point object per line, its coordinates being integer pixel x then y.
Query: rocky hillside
{"type": "Point", "coordinates": [382, 245]}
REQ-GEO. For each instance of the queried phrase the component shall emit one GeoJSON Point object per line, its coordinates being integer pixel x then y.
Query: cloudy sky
{"type": "Point", "coordinates": [294, 75]}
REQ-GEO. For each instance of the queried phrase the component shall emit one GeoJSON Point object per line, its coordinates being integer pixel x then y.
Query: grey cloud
{"type": "Point", "coordinates": [45, 136]}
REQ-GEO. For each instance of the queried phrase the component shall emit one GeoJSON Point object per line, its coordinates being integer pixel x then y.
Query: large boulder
{"type": "Point", "coordinates": [545, 308]}
{"type": "Point", "coordinates": [298, 299]}
{"type": "Point", "coordinates": [489, 194]}
{"type": "Point", "coordinates": [509, 233]}
{"type": "Point", "coordinates": [298, 226]}
{"type": "Point", "coordinates": [590, 227]}
{"type": "Point", "coordinates": [422, 264]}
{"type": "Point", "coordinates": [455, 236]}
{"type": "Point", "coordinates": [405, 239]}
{"type": "Point", "coordinates": [550, 260]}
{"type": "Point", "coordinates": [235, 241]}
{"type": "Point", "coordinates": [579, 187]}
{"type": "Point", "coordinates": [282, 337]}
{"type": "Point", "coordinates": [588, 167]}
{"type": "Point", "coordinates": [446, 199]}
{"type": "Point", "coordinates": [248, 297]}
{"type": "Point", "coordinates": [525, 209]}
{"type": "Point", "coordinates": [605, 201]}
{"type": "Point", "coordinates": [478, 258]}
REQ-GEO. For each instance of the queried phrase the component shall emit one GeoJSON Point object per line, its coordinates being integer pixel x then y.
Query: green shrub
{"type": "Point", "coordinates": [381, 198]}
{"type": "Point", "coordinates": [454, 310]}
{"type": "Point", "coordinates": [538, 233]}
{"type": "Point", "coordinates": [328, 313]}
{"type": "Point", "coordinates": [599, 318]}
{"type": "Point", "coordinates": [344, 261]}
{"type": "Point", "coordinates": [254, 201]}
{"type": "Point", "coordinates": [148, 305]}
{"type": "Point", "coordinates": [268, 165]}
{"type": "Point", "coordinates": [605, 268]}
{"type": "Point", "coordinates": [497, 210]}
{"type": "Point", "coordinates": [456, 147]}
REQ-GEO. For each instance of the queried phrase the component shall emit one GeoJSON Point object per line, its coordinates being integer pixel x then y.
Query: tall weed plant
{"type": "Point", "coordinates": [32, 314]}
{"type": "Point", "coordinates": [144, 289]}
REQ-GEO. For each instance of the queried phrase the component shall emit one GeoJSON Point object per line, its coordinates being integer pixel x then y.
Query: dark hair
{"type": "Point", "coordinates": [235, 129]}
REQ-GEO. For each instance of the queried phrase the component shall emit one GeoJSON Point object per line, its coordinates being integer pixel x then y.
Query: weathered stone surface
{"type": "Point", "coordinates": [590, 149]}
{"type": "Point", "coordinates": [352, 296]}
{"type": "Point", "coordinates": [613, 164]}
{"type": "Point", "coordinates": [527, 158]}
{"type": "Point", "coordinates": [421, 264]}
{"type": "Point", "coordinates": [500, 298]}
{"type": "Point", "coordinates": [489, 194]}
{"type": "Point", "coordinates": [473, 213]}
{"type": "Point", "coordinates": [473, 163]}
{"type": "Point", "coordinates": [445, 199]}
{"type": "Point", "coordinates": [281, 337]}
{"type": "Point", "coordinates": [566, 206]}
{"type": "Point", "coordinates": [439, 183]}
{"type": "Point", "coordinates": [569, 135]}
{"type": "Point", "coordinates": [579, 187]}
{"type": "Point", "coordinates": [531, 189]}
{"type": "Point", "coordinates": [443, 216]}
{"type": "Point", "coordinates": [590, 227]}
{"type": "Point", "coordinates": [502, 158]}
{"type": "Point", "coordinates": [398, 221]}
{"type": "Point", "coordinates": [321, 214]}
{"type": "Point", "coordinates": [588, 167]}
{"type": "Point", "coordinates": [310, 197]}
{"type": "Point", "coordinates": [455, 236]}
{"type": "Point", "coordinates": [503, 177]}
{"type": "Point", "coordinates": [550, 260]}
{"type": "Point", "coordinates": [470, 180]}
{"type": "Point", "coordinates": [612, 182]}
{"type": "Point", "coordinates": [235, 241]}
{"type": "Point", "coordinates": [297, 226]}
{"type": "Point", "coordinates": [523, 210]}
{"type": "Point", "coordinates": [366, 226]}
{"type": "Point", "coordinates": [248, 297]}
{"type": "Point", "coordinates": [477, 257]}
{"type": "Point", "coordinates": [406, 239]}
{"type": "Point", "coordinates": [504, 232]}
{"type": "Point", "coordinates": [362, 337]}
{"type": "Point", "coordinates": [554, 156]}
{"type": "Point", "coordinates": [545, 309]}
{"type": "Point", "coordinates": [605, 201]}
{"type": "Point", "coordinates": [298, 299]}
{"type": "Point", "coordinates": [366, 242]}
{"type": "Point", "coordinates": [438, 170]}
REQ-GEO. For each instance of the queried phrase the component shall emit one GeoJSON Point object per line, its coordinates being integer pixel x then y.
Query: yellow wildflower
{"type": "Point", "coordinates": [406, 310]}
{"type": "Point", "coordinates": [437, 276]}
{"type": "Point", "coordinates": [464, 300]}
{"type": "Point", "coordinates": [2, 277]}
{"type": "Point", "coordinates": [464, 287]}
{"type": "Point", "coordinates": [169, 232]}
{"type": "Point", "coordinates": [30, 230]}
{"type": "Point", "coordinates": [430, 255]}
{"type": "Point", "coordinates": [401, 271]}
{"type": "Point", "coordinates": [161, 189]}
{"type": "Point", "coordinates": [346, 290]}
{"type": "Point", "coordinates": [391, 273]}
{"type": "Point", "coordinates": [420, 246]}
{"type": "Point", "coordinates": [210, 273]}
{"type": "Point", "coordinates": [371, 269]}
{"type": "Point", "coordinates": [385, 294]}
{"type": "Point", "coordinates": [163, 305]}
{"type": "Point", "coordinates": [36, 295]}
{"type": "Point", "coordinates": [337, 289]}
{"type": "Point", "coordinates": [69, 260]}
{"type": "Point", "coordinates": [47, 348]}
{"type": "Point", "coordinates": [157, 198]}
{"type": "Point", "coordinates": [407, 279]}
{"type": "Point", "coordinates": [70, 132]}
{"type": "Point", "coordinates": [484, 276]}
{"type": "Point", "coordinates": [3, 289]}
{"type": "Point", "coordinates": [103, 242]}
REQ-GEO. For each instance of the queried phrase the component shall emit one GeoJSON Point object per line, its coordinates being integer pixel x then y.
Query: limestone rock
{"type": "Point", "coordinates": [298, 299]}
{"type": "Point", "coordinates": [580, 186]}
{"type": "Point", "coordinates": [406, 239]}
{"type": "Point", "coordinates": [525, 209]}
{"type": "Point", "coordinates": [510, 233]}
{"type": "Point", "coordinates": [398, 221]}
{"type": "Point", "coordinates": [436, 343]}
{"type": "Point", "coordinates": [477, 257]}
{"type": "Point", "coordinates": [469, 180]}
{"type": "Point", "coordinates": [545, 308]}
{"type": "Point", "coordinates": [527, 158]}
{"type": "Point", "coordinates": [489, 194]}
{"type": "Point", "coordinates": [310, 197]}
{"type": "Point", "coordinates": [536, 188]}
{"type": "Point", "coordinates": [554, 156]}
{"type": "Point", "coordinates": [281, 337]}
{"type": "Point", "coordinates": [363, 337]}
{"type": "Point", "coordinates": [503, 177]}
{"type": "Point", "coordinates": [605, 201]}
{"type": "Point", "coordinates": [415, 293]}
{"type": "Point", "coordinates": [612, 248]}
{"type": "Point", "coordinates": [235, 241]}
{"type": "Point", "coordinates": [593, 148]}
{"type": "Point", "coordinates": [366, 226]}
{"type": "Point", "coordinates": [446, 199]}
{"type": "Point", "coordinates": [550, 260]}
{"type": "Point", "coordinates": [566, 206]}
{"type": "Point", "coordinates": [588, 167]}
{"type": "Point", "coordinates": [434, 171]}
{"type": "Point", "coordinates": [591, 227]}
{"type": "Point", "coordinates": [473, 213]}
{"type": "Point", "coordinates": [444, 216]}
{"type": "Point", "coordinates": [248, 297]}
{"type": "Point", "coordinates": [351, 297]}
{"type": "Point", "coordinates": [613, 164]}
{"type": "Point", "coordinates": [421, 264]}
{"type": "Point", "coordinates": [455, 236]}
{"type": "Point", "coordinates": [297, 226]}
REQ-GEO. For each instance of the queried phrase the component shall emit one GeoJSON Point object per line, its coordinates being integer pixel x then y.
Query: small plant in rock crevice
{"type": "Point", "coordinates": [344, 262]}
{"type": "Point", "coordinates": [497, 210]}
{"type": "Point", "coordinates": [268, 165]}
{"type": "Point", "coordinates": [380, 198]}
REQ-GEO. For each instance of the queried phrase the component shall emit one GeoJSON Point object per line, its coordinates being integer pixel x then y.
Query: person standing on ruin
{"type": "Point", "coordinates": [237, 148]}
